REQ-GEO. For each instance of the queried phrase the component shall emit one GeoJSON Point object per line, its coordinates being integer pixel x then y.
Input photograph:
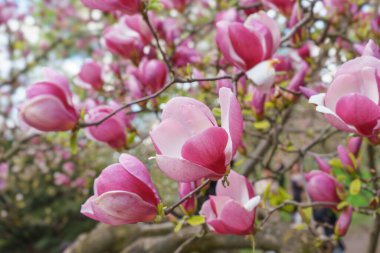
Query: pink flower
{"type": "Point", "coordinates": [128, 6]}
{"type": "Point", "coordinates": [233, 209]}
{"type": "Point", "coordinates": [185, 55]}
{"type": "Point", "coordinates": [336, 5]}
{"type": "Point", "coordinates": [128, 37]}
{"type": "Point", "coordinates": [344, 221]}
{"type": "Point", "coordinates": [61, 179]}
{"type": "Point", "coordinates": [347, 159]}
{"type": "Point", "coordinates": [223, 82]}
{"type": "Point", "coordinates": [91, 75]}
{"type": "Point", "coordinates": [258, 103]}
{"type": "Point", "coordinates": [169, 29]}
{"type": "Point", "coordinates": [112, 131]}
{"type": "Point", "coordinates": [230, 15]}
{"type": "Point", "coordinates": [149, 77]}
{"type": "Point", "coordinates": [352, 100]}
{"type": "Point", "coordinates": [189, 205]}
{"type": "Point", "coordinates": [246, 44]}
{"type": "Point", "coordinates": [323, 164]}
{"type": "Point", "coordinates": [354, 145]}
{"type": "Point", "coordinates": [323, 187]}
{"type": "Point", "coordinates": [248, 3]}
{"type": "Point", "coordinates": [48, 106]}
{"type": "Point", "coordinates": [179, 5]}
{"type": "Point", "coordinates": [123, 194]}
{"type": "Point", "coordinates": [189, 143]}
{"type": "Point", "coordinates": [284, 6]}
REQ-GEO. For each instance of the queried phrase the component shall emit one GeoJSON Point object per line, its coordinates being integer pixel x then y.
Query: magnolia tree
{"type": "Point", "coordinates": [188, 126]}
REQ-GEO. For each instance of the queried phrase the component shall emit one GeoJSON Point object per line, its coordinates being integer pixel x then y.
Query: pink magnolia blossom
{"type": "Point", "coordinates": [346, 158]}
{"type": "Point", "coordinates": [128, 37]}
{"type": "Point", "coordinates": [189, 205]}
{"type": "Point", "coordinates": [258, 103]}
{"type": "Point", "coordinates": [352, 100]}
{"type": "Point", "coordinates": [179, 5]}
{"type": "Point", "coordinates": [354, 145]}
{"type": "Point", "coordinates": [336, 5]}
{"type": "Point", "coordinates": [189, 143]}
{"type": "Point", "coordinates": [112, 131]}
{"type": "Point", "coordinates": [91, 75]}
{"type": "Point", "coordinates": [48, 106]}
{"type": "Point", "coordinates": [233, 209]}
{"type": "Point", "coordinates": [223, 82]}
{"type": "Point", "coordinates": [344, 222]}
{"type": "Point", "coordinates": [61, 179]}
{"type": "Point", "coordinates": [284, 6]}
{"type": "Point", "coordinates": [123, 194]}
{"type": "Point", "coordinates": [250, 45]}
{"type": "Point", "coordinates": [246, 44]}
{"type": "Point", "coordinates": [169, 29]}
{"type": "Point", "coordinates": [323, 164]}
{"type": "Point", "coordinates": [184, 54]}
{"type": "Point", "coordinates": [230, 15]}
{"type": "Point", "coordinates": [127, 6]}
{"type": "Point", "coordinates": [249, 3]}
{"type": "Point", "coordinates": [323, 187]}
{"type": "Point", "coordinates": [149, 77]}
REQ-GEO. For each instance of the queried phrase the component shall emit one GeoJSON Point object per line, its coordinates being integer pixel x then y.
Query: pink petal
{"type": "Point", "coordinates": [232, 120]}
{"type": "Point", "coordinates": [87, 210]}
{"type": "Point", "coordinates": [47, 113]}
{"type": "Point", "coordinates": [119, 207]}
{"type": "Point", "coordinates": [359, 111]}
{"type": "Point", "coordinates": [246, 44]}
{"type": "Point", "coordinates": [182, 170]}
{"type": "Point", "coordinates": [117, 178]}
{"type": "Point", "coordinates": [236, 217]}
{"type": "Point", "coordinates": [225, 45]}
{"type": "Point", "coordinates": [207, 149]}
{"type": "Point", "coordinates": [57, 78]}
{"type": "Point", "coordinates": [138, 170]}
{"type": "Point", "coordinates": [342, 85]}
{"type": "Point", "coordinates": [239, 188]}
{"type": "Point", "coordinates": [169, 136]}
{"type": "Point", "coordinates": [194, 115]}
{"type": "Point", "coordinates": [207, 211]}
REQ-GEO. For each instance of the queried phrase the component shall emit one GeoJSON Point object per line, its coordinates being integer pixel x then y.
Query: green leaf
{"type": "Point", "coordinates": [357, 200]}
{"type": "Point", "coordinates": [196, 220]}
{"type": "Point", "coordinates": [154, 5]}
{"type": "Point", "coordinates": [216, 111]}
{"type": "Point", "coordinates": [262, 125]}
{"type": "Point", "coordinates": [306, 214]}
{"type": "Point", "coordinates": [179, 225]}
{"type": "Point", "coordinates": [342, 205]}
{"type": "Point", "coordinates": [336, 163]}
{"type": "Point", "coordinates": [355, 187]}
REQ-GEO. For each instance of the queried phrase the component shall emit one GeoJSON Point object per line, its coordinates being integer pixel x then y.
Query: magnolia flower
{"type": "Point", "coordinates": [48, 106]}
{"type": "Point", "coordinates": [91, 75]}
{"type": "Point", "coordinates": [189, 143]}
{"type": "Point", "coordinates": [344, 222]}
{"type": "Point", "coordinates": [128, 37]}
{"type": "Point", "coordinates": [112, 131]}
{"type": "Point", "coordinates": [352, 100]}
{"type": "Point", "coordinates": [284, 6]}
{"type": "Point", "coordinates": [323, 187]}
{"type": "Point", "coordinates": [128, 6]}
{"type": "Point", "coordinates": [123, 194]}
{"type": "Point", "coordinates": [250, 45]}
{"type": "Point", "coordinates": [233, 209]}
